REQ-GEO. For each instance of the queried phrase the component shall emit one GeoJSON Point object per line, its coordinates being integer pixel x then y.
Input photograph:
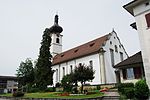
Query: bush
{"type": "Point", "coordinates": [33, 90]}
{"type": "Point", "coordinates": [98, 87]}
{"type": "Point", "coordinates": [129, 92]}
{"type": "Point", "coordinates": [141, 90]}
{"type": "Point", "coordinates": [121, 86]}
{"type": "Point", "coordinates": [18, 94]}
{"type": "Point", "coordinates": [50, 89]}
{"type": "Point", "coordinates": [58, 84]}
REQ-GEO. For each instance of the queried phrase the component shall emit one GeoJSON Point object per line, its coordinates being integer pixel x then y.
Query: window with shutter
{"type": "Point", "coordinates": [147, 16]}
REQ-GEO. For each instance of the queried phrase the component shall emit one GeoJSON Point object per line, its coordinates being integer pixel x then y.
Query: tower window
{"type": "Point", "coordinates": [147, 16]}
{"type": "Point", "coordinates": [57, 40]}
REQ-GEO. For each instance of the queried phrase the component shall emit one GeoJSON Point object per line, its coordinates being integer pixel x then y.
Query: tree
{"type": "Point", "coordinates": [67, 82]}
{"type": "Point", "coordinates": [25, 73]}
{"type": "Point", "coordinates": [83, 73]}
{"type": "Point", "coordinates": [44, 72]}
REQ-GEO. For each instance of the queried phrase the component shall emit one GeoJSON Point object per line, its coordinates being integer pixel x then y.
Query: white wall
{"type": "Point", "coordinates": [110, 71]}
{"type": "Point", "coordinates": [144, 36]}
{"type": "Point", "coordinates": [75, 62]}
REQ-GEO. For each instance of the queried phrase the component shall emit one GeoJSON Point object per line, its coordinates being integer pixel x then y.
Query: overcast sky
{"type": "Point", "coordinates": [22, 23]}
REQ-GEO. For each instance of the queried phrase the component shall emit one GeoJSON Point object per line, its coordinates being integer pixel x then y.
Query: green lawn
{"type": "Point", "coordinates": [56, 95]}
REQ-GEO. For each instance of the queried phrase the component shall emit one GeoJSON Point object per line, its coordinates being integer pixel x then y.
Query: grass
{"type": "Point", "coordinates": [55, 95]}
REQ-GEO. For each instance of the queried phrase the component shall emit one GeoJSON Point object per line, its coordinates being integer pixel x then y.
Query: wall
{"type": "Point", "coordinates": [144, 36]}
{"type": "Point", "coordinates": [110, 71]}
{"type": "Point", "coordinates": [75, 62]}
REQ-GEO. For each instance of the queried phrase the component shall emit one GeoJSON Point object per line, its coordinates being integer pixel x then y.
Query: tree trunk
{"type": "Point", "coordinates": [81, 87]}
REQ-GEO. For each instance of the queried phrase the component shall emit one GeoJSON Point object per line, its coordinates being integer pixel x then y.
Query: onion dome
{"type": "Point", "coordinates": [56, 28]}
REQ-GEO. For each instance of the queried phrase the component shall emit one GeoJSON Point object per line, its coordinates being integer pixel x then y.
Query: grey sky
{"type": "Point", "coordinates": [22, 23]}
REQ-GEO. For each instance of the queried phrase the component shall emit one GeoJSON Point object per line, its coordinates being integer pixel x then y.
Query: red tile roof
{"type": "Point", "coordinates": [80, 51]}
{"type": "Point", "coordinates": [135, 59]}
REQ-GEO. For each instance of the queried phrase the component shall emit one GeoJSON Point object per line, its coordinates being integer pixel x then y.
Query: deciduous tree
{"type": "Point", "coordinates": [25, 73]}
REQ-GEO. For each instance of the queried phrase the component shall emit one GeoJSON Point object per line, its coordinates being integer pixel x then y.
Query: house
{"type": "Point", "coordinates": [101, 53]}
{"type": "Point", "coordinates": [140, 9]}
{"type": "Point", "coordinates": [8, 84]}
{"type": "Point", "coordinates": [131, 69]}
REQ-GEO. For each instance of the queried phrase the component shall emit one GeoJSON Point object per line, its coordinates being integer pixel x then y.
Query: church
{"type": "Point", "coordinates": [101, 53]}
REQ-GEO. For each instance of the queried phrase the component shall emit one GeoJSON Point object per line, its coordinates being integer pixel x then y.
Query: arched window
{"type": "Point", "coordinates": [57, 40]}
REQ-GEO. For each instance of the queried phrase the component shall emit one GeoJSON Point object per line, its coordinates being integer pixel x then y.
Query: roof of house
{"type": "Point", "coordinates": [80, 51]}
{"type": "Point", "coordinates": [8, 77]}
{"type": "Point", "coordinates": [130, 5]}
{"type": "Point", "coordinates": [135, 59]}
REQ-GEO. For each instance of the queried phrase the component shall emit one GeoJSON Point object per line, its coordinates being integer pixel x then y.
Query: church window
{"type": "Point", "coordinates": [112, 57]}
{"type": "Point", "coordinates": [119, 46]}
{"type": "Point", "coordinates": [56, 75]}
{"type": "Point", "coordinates": [63, 71]}
{"type": "Point", "coordinates": [91, 63]}
{"type": "Point", "coordinates": [57, 40]}
{"type": "Point", "coordinates": [116, 48]}
{"type": "Point", "coordinates": [71, 69]}
{"type": "Point", "coordinates": [147, 16]}
{"type": "Point", "coordinates": [111, 42]}
{"type": "Point", "coordinates": [80, 64]}
{"type": "Point", "coordinates": [121, 56]}
{"type": "Point", "coordinates": [147, 3]}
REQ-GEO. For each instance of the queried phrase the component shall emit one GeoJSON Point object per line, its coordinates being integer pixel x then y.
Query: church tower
{"type": "Point", "coordinates": [56, 44]}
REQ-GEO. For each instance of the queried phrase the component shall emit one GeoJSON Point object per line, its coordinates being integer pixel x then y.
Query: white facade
{"type": "Point", "coordinates": [101, 61]}
{"type": "Point", "coordinates": [139, 10]}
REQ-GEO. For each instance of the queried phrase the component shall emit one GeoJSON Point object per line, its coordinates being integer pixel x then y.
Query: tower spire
{"type": "Point", "coordinates": [56, 28]}
{"type": "Point", "coordinates": [56, 19]}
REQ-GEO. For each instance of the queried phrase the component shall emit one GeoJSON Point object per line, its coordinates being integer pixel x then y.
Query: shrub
{"type": "Point", "coordinates": [129, 92]}
{"type": "Point", "coordinates": [121, 86]}
{"type": "Point", "coordinates": [98, 87]}
{"type": "Point", "coordinates": [141, 90]}
{"type": "Point", "coordinates": [18, 94]}
{"type": "Point", "coordinates": [58, 84]}
{"type": "Point", "coordinates": [50, 89]}
{"type": "Point", "coordinates": [33, 90]}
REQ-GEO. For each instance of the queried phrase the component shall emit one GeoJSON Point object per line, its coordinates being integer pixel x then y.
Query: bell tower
{"type": "Point", "coordinates": [56, 44]}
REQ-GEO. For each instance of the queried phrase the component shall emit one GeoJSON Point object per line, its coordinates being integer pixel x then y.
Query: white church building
{"type": "Point", "coordinates": [102, 54]}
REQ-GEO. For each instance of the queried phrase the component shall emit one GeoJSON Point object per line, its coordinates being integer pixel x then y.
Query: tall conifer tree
{"type": "Point", "coordinates": [44, 72]}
